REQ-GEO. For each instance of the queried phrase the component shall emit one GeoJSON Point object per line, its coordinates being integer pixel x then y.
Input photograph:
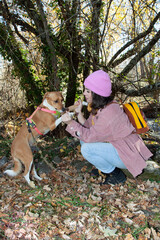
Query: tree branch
{"type": "Point", "coordinates": [33, 14]}
{"type": "Point", "coordinates": [141, 35]}
{"type": "Point", "coordinates": [141, 54]}
{"type": "Point", "coordinates": [49, 41]}
{"type": "Point", "coordinates": [15, 19]}
{"type": "Point", "coordinates": [141, 91]}
{"type": "Point", "coordinates": [124, 57]}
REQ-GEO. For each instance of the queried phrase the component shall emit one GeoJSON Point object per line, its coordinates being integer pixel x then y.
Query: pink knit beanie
{"type": "Point", "coordinates": [99, 82]}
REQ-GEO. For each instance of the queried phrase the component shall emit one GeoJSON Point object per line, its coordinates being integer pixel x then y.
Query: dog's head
{"type": "Point", "coordinates": [54, 100]}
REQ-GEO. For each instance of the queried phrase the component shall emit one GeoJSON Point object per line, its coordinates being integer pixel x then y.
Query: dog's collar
{"type": "Point", "coordinates": [50, 109]}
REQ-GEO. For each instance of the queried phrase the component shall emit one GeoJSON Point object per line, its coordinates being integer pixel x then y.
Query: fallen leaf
{"type": "Point", "coordinates": [155, 237]}
{"type": "Point", "coordinates": [47, 188]}
{"type": "Point", "coordinates": [129, 221]}
{"type": "Point", "coordinates": [9, 233]}
{"type": "Point", "coordinates": [129, 237]}
{"type": "Point", "coordinates": [108, 232]}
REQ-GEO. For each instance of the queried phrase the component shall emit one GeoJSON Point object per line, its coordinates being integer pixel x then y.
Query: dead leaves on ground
{"type": "Point", "coordinates": [71, 205]}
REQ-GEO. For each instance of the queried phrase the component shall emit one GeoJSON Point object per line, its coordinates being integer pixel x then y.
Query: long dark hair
{"type": "Point", "coordinates": [99, 102]}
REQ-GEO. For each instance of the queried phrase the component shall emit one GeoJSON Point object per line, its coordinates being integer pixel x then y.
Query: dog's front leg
{"type": "Point", "coordinates": [55, 124]}
{"type": "Point", "coordinates": [58, 121]}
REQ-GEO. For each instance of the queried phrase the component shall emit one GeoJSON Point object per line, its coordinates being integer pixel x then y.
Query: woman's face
{"type": "Point", "coordinates": [88, 95]}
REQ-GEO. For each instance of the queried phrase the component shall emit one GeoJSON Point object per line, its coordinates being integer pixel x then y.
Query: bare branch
{"type": "Point", "coordinates": [15, 19]}
{"type": "Point", "coordinates": [141, 54]}
{"type": "Point", "coordinates": [141, 35]}
{"type": "Point", "coordinates": [124, 57]}
{"type": "Point", "coordinates": [141, 91]}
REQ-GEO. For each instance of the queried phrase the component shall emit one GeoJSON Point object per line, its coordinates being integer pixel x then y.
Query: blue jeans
{"type": "Point", "coordinates": [102, 155]}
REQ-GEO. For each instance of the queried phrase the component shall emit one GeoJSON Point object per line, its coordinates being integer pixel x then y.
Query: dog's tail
{"type": "Point", "coordinates": [16, 170]}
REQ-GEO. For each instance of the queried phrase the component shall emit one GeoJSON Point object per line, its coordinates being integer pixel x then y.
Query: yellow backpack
{"type": "Point", "coordinates": [136, 117]}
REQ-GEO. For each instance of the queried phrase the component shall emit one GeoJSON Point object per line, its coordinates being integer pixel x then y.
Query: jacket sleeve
{"type": "Point", "coordinates": [88, 122]}
{"type": "Point", "coordinates": [98, 132]}
{"type": "Point", "coordinates": [110, 124]}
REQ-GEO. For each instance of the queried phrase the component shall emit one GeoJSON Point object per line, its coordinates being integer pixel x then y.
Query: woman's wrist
{"type": "Point", "coordinates": [68, 122]}
{"type": "Point", "coordinates": [81, 118]}
{"type": "Point", "coordinates": [79, 113]}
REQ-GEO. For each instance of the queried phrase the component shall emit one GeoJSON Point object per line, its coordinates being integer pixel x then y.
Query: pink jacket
{"type": "Point", "coordinates": [112, 125]}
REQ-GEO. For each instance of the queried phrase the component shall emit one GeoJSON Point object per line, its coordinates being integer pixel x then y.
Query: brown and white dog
{"type": "Point", "coordinates": [45, 118]}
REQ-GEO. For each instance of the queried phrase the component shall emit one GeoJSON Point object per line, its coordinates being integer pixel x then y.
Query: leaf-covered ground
{"type": "Point", "coordinates": [70, 204]}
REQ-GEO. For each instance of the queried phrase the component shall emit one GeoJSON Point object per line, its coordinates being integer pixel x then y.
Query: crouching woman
{"type": "Point", "coordinates": [107, 137]}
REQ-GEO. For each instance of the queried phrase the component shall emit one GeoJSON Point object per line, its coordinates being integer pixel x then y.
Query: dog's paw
{"type": "Point", "coordinates": [38, 177]}
{"type": "Point", "coordinates": [35, 175]}
{"type": "Point", "coordinates": [31, 184]}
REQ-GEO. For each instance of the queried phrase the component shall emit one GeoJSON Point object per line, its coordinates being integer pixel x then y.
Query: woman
{"type": "Point", "coordinates": [107, 138]}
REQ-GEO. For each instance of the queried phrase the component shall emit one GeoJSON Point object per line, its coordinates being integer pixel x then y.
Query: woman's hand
{"type": "Point", "coordinates": [78, 110]}
{"type": "Point", "coordinates": [66, 118]}
{"type": "Point", "coordinates": [79, 106]}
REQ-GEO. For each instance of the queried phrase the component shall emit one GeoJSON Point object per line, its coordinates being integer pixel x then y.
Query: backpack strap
{"type": "Point", "coordinates": [135, 115]}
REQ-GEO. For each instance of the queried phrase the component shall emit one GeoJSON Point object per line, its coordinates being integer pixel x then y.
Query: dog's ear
{"type": "Point", "coordinates": [60, 93]}
{"type": "Point", "coordinates": [45, 95]}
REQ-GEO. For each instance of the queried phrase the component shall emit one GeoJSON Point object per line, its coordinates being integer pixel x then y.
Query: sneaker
{"type": "Point", "coordinates": [115, 177]}
{"type": "Point", "coordinates": [97, 173]}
